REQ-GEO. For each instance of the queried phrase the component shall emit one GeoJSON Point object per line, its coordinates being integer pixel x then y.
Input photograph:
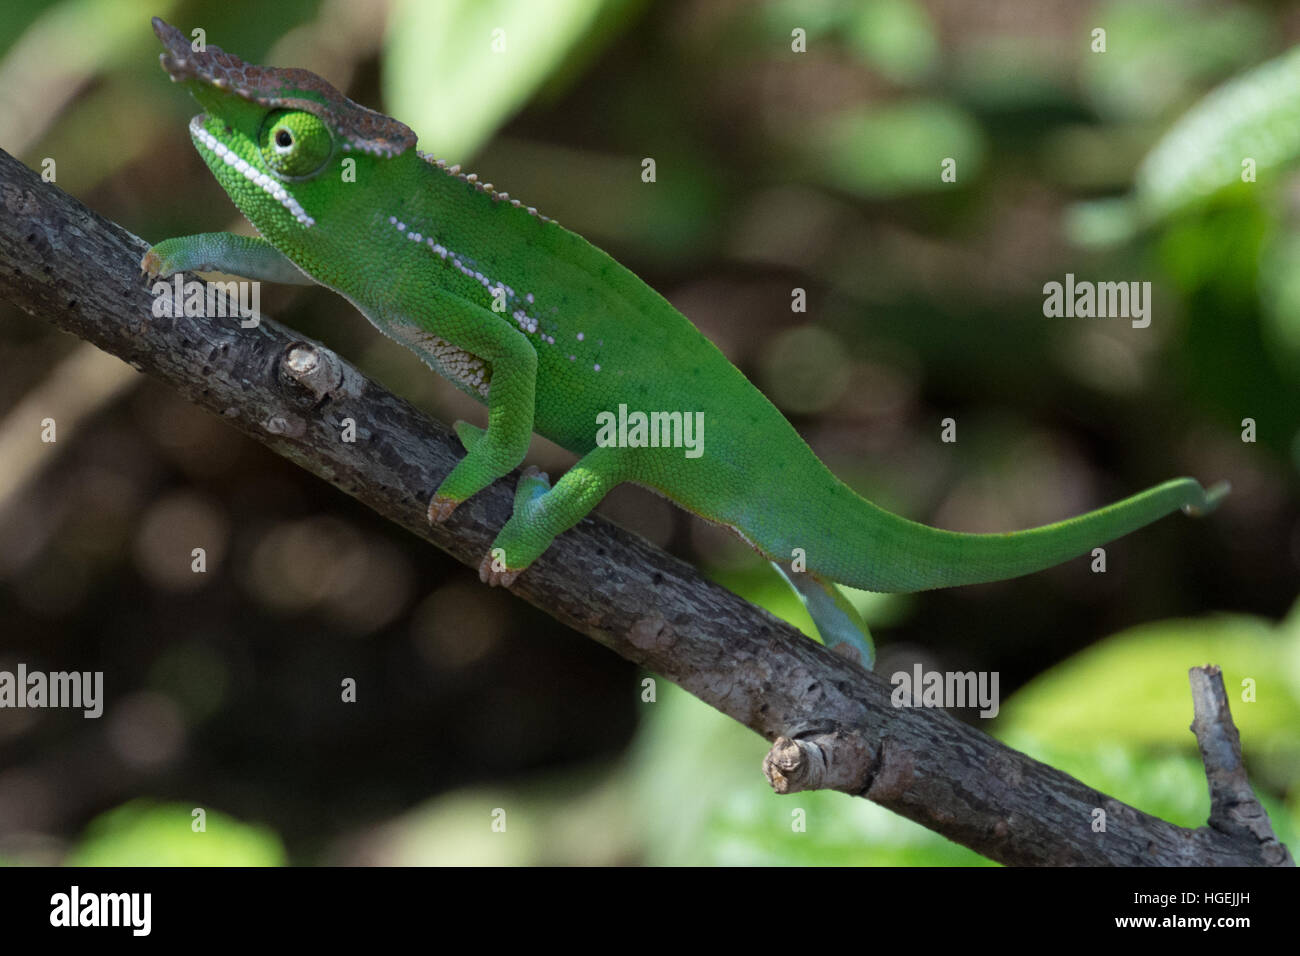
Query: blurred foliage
{"type": "Point", "coordinates": [896, 38]}
{"type": "Point", "coordinates": [451, 95]}
{"type": "Point", "coordinates": [873, 152]}
{"type": "Point", "coordinates": [1160, 54]}
{"type": "Point", "coordinates": [777, 169]}
{"type": "Point", "coordinates": [1279, 292]}
{"type": "Point", "coordinates": [142, 834]}
{"type": "Point", "coordinates": [1253, 118]}
{"type": "Point", "coordinates": [1120, 688]}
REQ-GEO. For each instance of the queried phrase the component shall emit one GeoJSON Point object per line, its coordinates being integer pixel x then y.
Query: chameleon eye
{"type": "Point", "coordinates": [295, 143]}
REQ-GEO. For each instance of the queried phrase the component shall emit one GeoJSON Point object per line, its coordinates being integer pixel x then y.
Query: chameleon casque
{"type": "Point", "coordinates": [551, 333]}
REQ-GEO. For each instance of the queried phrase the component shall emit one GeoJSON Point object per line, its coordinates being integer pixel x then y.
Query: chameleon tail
{"type": "Point", "coordinates": [838, 621]}
{"type": "Point", "coordinates": [902, 555]}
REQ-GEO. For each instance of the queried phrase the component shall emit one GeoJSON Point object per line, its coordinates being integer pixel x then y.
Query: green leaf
{"type": "Point", "coordinates": [1255, 116]}
{"type": "Point", "coordinates": [455, 70]}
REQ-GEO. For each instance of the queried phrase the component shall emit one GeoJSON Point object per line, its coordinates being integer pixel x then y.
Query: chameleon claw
{"type": "Point", "coordinates": [440, 509]}
{"type": "Point", "coordinates": [151, 265]}
{"type": "Point", "coordinates": [493, 578]}
{"type": "Point", "coordinates": [849, 653]}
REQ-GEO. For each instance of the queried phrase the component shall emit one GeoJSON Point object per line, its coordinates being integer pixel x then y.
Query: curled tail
{"type": "Point", "coordinates": [880, 551]}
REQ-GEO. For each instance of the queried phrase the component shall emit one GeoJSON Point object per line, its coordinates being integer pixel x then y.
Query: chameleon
{"type": "Point", "coordinates": [554, 336]}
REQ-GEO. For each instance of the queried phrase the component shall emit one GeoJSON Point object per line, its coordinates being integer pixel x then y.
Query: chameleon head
{"type": "Point", "coordinates": [277, 139]}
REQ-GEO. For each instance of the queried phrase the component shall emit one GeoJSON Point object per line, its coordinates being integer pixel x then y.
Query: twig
{"type": "Point", "coordinates": [71, 267]}
{"type": "Point", "coordinates": [1234, 808]}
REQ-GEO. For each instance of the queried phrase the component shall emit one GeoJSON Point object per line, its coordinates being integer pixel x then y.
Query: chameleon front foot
{"type": "Point", "coordinates": [170, 257]}
{"type": "Point", "coordinates": [151, 264]}
{"type": "Point", "coordinates": [249, 256]}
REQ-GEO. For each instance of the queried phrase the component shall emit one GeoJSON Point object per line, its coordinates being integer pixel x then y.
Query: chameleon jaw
{"type": "Point", "coordinates": [268, 184]}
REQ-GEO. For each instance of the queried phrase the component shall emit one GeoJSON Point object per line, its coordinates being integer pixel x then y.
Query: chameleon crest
{"type": "Point", "coordinates": [289, 89]}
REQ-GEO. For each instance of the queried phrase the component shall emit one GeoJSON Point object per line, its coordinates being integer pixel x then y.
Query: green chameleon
{"type": "Point", "coordinates": [556, 337]}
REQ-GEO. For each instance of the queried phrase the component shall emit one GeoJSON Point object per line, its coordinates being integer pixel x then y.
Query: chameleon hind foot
{"type": "Point", "coordinates": [440, 509]}
{"type": "Point", "coordinates": [541, 512]}
{"type": "Point", "coordinates": [493, 569]}
{"type": "Point", "coordinates": [533, 483]}
{"type": "Point", "coordinates": [495, 575]}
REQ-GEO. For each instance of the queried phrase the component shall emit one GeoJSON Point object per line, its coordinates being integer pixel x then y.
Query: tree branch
{"type": "Point", "coordinates": [1234, 808]}
{"type": "Point", "coordinates": [64, 263]}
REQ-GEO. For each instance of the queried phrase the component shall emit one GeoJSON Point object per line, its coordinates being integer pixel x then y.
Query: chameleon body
{"type": "Point", "coordinates": [551, 333]}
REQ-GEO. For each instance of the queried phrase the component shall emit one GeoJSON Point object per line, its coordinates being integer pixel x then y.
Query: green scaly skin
{"type": "Point", "coordinates": [425, 252]}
